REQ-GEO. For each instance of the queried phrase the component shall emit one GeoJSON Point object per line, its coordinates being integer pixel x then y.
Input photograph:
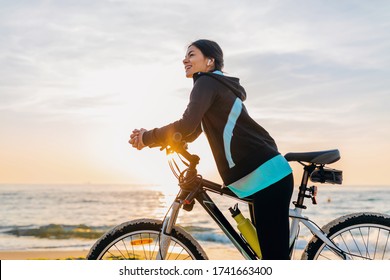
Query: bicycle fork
{"type": "Point", "coordinates": [296, 215]}
{"type": "Point", "coordinates": [165, 235]}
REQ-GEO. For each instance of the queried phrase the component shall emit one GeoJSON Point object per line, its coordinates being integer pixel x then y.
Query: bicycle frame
{"type": "Point", "coordinates": [363, 235]}
{"type": "Point", "coordinates": [197, 190]}
{"type": "Point", "coordinates": [212, 209]}
{"type": "Point", "coordinates": [296, 218]}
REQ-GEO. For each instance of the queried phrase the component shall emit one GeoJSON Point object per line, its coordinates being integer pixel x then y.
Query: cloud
{"type": "Point", "coordinates": [313, 70]}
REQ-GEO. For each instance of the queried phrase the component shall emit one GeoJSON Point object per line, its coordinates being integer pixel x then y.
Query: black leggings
{"type": "Point", "coordinates": [270, 210]}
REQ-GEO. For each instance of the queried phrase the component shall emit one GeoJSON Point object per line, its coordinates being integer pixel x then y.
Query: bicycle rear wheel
{"type": "Point", "coordinates": [140, 239]}
{"type": "Point", "coordinates": [360, 236]}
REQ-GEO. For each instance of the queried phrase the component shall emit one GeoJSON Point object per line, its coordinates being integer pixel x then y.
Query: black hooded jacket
{"type": "Point", "coordinates": [238, 143]}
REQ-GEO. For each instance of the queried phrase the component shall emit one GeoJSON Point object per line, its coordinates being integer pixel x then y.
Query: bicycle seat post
{"type": "Point", "coordinates": [308, 169]}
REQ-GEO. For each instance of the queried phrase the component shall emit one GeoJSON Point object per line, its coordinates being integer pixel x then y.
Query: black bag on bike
{"type": "Point", "coordinates": [325, 175]}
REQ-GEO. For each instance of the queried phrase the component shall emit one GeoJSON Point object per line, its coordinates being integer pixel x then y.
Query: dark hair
{"type": "Point", "coordinates": [212, 50]}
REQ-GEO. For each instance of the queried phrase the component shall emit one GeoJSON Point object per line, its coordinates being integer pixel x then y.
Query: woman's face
{"type": "Point", "coordinates": [195, 62]}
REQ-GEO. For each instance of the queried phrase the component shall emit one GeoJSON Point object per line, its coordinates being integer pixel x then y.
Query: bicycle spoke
{"type": "Point", "coordinates": [140, 244]}
{"type": "Point", "coordinates": [170, 253]}
{"type": "Point", "coordinates": [143, 246]}
{"type": "Point", "coordinates": [325, 257]}
{"type": "Point", "coordinates": [131, 242]}
{"type": "Point", "coordinates": [354, 240]}
{"type": "Point", "coordinates": [124, 245]}
{"type": "Point", "coordinates": [376, 244]}
{"type": "Point", "coordinates": [368, 240]}
{"type": "Point", "coordinates": [120, 251]}
{"type": "Point", "coordinates": [177, 257]}
{"type": "Point", "coordinates": [150, 256]}
{"type": "Point", "coordinates": [157, 241]}
{"type": "Point", "coordinates": [384, 250]}
{"type": "Point", "coordinates": [112, 255]}
{"type": "Point", "coordinates": [345, 243]}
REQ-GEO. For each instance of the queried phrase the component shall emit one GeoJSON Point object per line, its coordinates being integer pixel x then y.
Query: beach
{"type": "Point", "coordinates": [43, 255]}
{"type": "Point", "coordinates": [64, 221]}
{"type": "Point", "coordinates": [213, 252]}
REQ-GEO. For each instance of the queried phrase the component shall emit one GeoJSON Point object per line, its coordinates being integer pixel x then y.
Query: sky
{"type": "Point", "coordinates": [77, 77]}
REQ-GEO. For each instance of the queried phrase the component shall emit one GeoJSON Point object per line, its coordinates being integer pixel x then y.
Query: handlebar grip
{"type": "Point", "coordinates": [180, 147]}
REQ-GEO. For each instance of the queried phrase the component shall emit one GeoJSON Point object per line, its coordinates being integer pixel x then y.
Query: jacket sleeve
{"type": "Point", "coordinates": [192, 137]}
{"type": "Point", "coordinates": [202, 97]}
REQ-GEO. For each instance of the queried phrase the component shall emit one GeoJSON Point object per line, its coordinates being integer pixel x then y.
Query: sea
{"type": "Point", "coordinates": [73, 217]}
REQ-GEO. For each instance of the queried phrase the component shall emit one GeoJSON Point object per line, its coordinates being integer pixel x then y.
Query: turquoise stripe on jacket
{"type": "Point", "coordinates": [228, 130]}
{"type": "Point", "coordinates": [265, 175]}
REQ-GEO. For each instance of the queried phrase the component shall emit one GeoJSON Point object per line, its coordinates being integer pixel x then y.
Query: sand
{"type": "Point", "coordinates": [42, 255]}
{"type": "Point", "coordinates": [213, 252]}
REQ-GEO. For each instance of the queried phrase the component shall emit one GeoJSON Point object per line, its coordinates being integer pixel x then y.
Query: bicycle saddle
{"type": "Point", "coordinates": [320, 157]}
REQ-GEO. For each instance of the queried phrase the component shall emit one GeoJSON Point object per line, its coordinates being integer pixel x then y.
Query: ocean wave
{"type": "Point", "coordinates": [211, 237]}
{"type": "Point", "coordinates": [206, 234]}
{"type": "Point", "coordinates": [61, 232]}
{"type": "Point", "coordinates": [194, 228]}
{"type": "Point", "coordinates": [58, 231]}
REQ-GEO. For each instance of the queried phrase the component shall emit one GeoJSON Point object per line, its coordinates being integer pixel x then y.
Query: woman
{"type": "Point", "coordinates": [246, 155]}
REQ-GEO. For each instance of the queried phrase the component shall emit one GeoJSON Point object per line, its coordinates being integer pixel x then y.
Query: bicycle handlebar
{"type": "Point", "coordinates": [179, 146]}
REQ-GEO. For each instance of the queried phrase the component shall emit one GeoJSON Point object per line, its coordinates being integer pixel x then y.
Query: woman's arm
{"type": "Point", "coordinates": [202, 96]}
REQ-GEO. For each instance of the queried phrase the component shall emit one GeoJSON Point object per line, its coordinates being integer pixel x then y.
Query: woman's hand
{"type": "Point", "coordinates": [136, 139]}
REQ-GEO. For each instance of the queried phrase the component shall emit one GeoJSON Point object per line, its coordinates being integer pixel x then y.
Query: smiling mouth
{"type": "Point", "coordinates": [188, 67]}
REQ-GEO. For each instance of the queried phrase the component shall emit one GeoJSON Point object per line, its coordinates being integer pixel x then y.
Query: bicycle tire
{"type": "Point", "coordinates": [139, 240]}
{"type": "Point", "coordinates": [361, 236]}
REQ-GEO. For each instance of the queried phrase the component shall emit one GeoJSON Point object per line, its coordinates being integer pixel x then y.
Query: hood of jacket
{"type": "Point", "coordinates": [231, 82]}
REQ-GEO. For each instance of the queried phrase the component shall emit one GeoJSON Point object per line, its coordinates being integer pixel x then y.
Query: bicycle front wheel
{"type": "Point", "coordinates": [140, 240]}
{"type": "Point", "coordinates": [360, 236]}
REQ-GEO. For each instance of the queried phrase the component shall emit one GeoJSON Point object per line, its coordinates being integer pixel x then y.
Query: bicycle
{"type": "Point", "coordinates": [357, 236]}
